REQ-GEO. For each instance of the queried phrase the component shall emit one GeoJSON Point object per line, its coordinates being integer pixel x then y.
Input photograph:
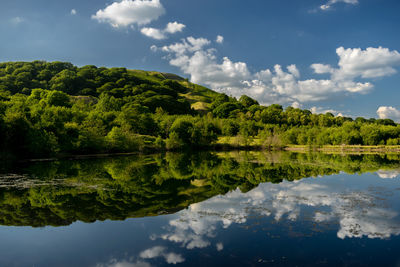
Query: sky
{"type": "Point", "coordinates": [338, 56]}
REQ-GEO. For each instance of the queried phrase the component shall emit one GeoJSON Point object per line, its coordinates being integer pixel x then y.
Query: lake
{"type": "Point", "coordinates": [202, 209]}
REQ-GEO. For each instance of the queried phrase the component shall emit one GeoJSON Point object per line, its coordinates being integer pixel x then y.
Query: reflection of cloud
{"type": "Point", "coordinates": [330, 3]}
{"type": "Point", "coordinates": [373, 223]}
{"type": "Point", "coordinates": [173, 258]}
{"type": "Point", "coordinates": [158, 251]}
{"type": "Point", "coordinates": [388, 174]}
{"type": "Point", "coordinates": [153, 252]}
{"type": "Point", "coordinates": [358, 212]}
{"type": "Point", "coordinates": [124, 263]}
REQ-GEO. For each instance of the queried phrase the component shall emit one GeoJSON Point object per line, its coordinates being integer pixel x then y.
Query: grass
{"type": "Point", "coordinates": [257, 142]}
{"type": "Point", "coordinates": [239, 141]}
{"type": "Point", "coordinates": [198, 96]}
{"type": "Point", "coordinates": [345, 148]}
{"type": "Point", "coordinates": [201, 106]}
{"type": "Point", "coordinates": [153, 76]}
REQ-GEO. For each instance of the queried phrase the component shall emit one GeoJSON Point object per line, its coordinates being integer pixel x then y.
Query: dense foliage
{"type": "Point", "coordinates": [61, 192]}
{"type": "Point", "coordinates": [51, 108]}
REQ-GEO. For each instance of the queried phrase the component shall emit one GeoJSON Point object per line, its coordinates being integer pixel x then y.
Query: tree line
{"type": "Point", "coordinates": [51, 108]}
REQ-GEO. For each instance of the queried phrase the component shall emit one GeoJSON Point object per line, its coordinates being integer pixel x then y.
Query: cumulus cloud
{"type": "Point", "coordinates": [368, 63]}
{"type": "Point", "coordinates": [130, 12]}
{"type": "Point", "coordinates": [296, 105]}
{"type": "Point", "coordinates": [321, 68]}
{"type": "Point", "coordinates": [171, 28]}
{"type": "Point", "coordinates": [220, 39]}
{"type": "Point", "coordinates": [153, 33]}
{"type": "Point", "coordinates": [187, 46]}
{"type": "Point", "coordinates": [174, 27]}
{"type": "Point", "coordinates": [73, 12]}
{"type": "Point", "coordinates": [194, 57]}
{"type": "Point", "coordinates": [321, 110]}
{"type": "Point", "coordinates": [330, 3]}
{"type": "Point", "coordinates": [389, 113]}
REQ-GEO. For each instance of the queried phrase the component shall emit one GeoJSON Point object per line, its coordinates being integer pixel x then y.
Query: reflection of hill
{"type": "Point", "coordinates": [59, 193]}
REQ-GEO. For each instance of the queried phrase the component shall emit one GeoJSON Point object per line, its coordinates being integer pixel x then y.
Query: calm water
{"type": "Point", "coordinates": [205, 209]}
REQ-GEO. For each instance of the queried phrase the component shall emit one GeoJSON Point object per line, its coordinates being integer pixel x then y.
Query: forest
{"type": "Point", "coordinates": [56, 108]}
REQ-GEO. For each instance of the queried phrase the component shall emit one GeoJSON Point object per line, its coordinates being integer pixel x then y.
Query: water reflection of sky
{"type": "Point", "coordinates": [388, 174]}
{"type": "Point", "coordinates": [357, 208]}
{"type": "Point", "coordinates": [349, 212]}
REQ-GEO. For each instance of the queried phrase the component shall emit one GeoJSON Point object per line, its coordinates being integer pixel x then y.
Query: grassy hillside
{"type": "Point", "coordinates": [198, 96]}
{"type": "Point", "coordinates": [23, 77]}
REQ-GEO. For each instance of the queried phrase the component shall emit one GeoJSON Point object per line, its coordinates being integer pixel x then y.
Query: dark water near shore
{"type": "Point", "coordinates": [199, 209]}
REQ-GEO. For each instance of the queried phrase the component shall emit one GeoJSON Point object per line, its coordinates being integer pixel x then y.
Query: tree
{"type": "Point", "coordinates": [65, 81]}
{"type": "Point", "coordinates": [224, 110]}
{"type": "Point", "coordinates": [247, 101]}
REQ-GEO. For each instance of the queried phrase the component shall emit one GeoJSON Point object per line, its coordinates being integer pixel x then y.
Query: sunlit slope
{"type": "Point", "coordinates": [199, 96]}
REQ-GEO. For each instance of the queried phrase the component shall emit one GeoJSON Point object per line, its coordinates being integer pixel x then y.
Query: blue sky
{"type": "Point", "coordinates": [337, 55]}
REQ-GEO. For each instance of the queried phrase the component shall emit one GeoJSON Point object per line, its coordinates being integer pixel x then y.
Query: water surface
{"type": "Point", "coordinates": [197, 209]}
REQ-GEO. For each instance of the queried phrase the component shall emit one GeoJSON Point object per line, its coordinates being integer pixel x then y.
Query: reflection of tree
{"type": "Point", "coordinates": [137, 186]}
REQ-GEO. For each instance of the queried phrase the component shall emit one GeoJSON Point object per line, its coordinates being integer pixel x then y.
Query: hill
{"type": "Point", "coordinates": [53, 108]}
{"type": "Point", "coordinates": [158, 89]}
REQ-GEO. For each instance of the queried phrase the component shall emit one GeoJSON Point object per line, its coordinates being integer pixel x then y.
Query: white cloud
{"type": "Point", "coordinates": [73, 12]}
{"type": "Point", "coordinates": [368, 63]}
{"type": "Point", "coordinates": [296, 105]}
{"type": "Point", "coordinates": [193, 57]}
{"type": "Point", "coordinates": [187, 46]}
{"type": "Point", "coordinates": [130, 12]}
{"type": "Point", "coordinates": [322, 68]}
{"type": "Point", "coordinates": [220, 39]}
{"type": "Point", "coordinates": [219, 246]}
{"type": "Point", "coordinates": [171, 28]}
{"type": "Point", "coordinates": [174, 27]}
{"type": "Point", "coordinates": [153, 33]}
{"type": "Point", "coordinates": [389, 113]}
{"type": "Point", "coordinates": [330, 3]}
{"type": "Point", "coordinates": [320, 110]}
{"type": "Point", "coordinates": [294, 71]}
{"type": "Point", "coordinates": [323, 110]}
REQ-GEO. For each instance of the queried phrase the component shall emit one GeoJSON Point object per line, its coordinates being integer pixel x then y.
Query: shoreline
{"type": "Point", "coordinates": [344, 148]}
{"type": "Point", "coordinates": [348, 149]}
